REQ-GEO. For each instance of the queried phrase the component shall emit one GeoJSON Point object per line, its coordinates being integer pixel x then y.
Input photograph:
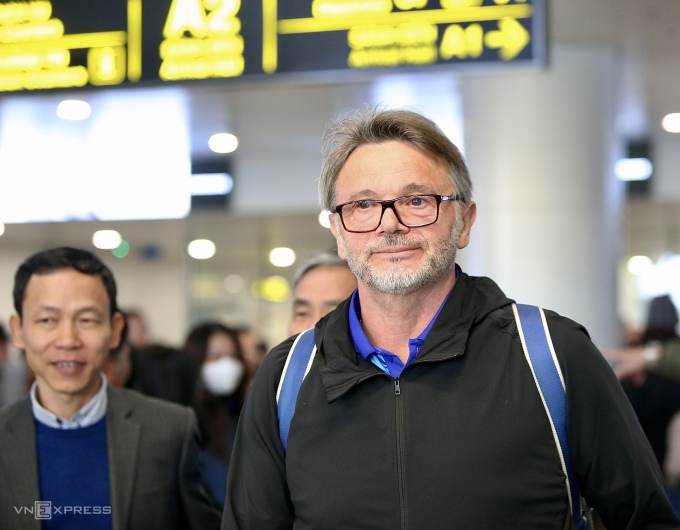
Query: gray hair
{"type": "Point", "coordinates": [374, 126]}
{"type": "Point", "coordinates": [323, 258]}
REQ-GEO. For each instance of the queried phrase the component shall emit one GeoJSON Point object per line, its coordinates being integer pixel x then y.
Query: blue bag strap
{"type": "Point", "coordinates": [297, 365]}
{"type": "Point", "coordinates": [540, 354]}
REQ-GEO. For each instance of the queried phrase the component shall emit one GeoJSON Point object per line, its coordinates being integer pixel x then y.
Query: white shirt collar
{"type": "Point", "coordinates": [93, 411]}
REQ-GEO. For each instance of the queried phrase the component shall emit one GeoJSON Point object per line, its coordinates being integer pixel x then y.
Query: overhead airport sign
{"type": "Point", "coordinates": [76, 43]}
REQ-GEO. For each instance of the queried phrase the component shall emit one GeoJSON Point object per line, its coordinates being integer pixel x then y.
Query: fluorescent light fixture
{"type": "Point", "coordinates": [628, 169]}
{"type": "Point", "coordinates": [211, 184]}
{"type": "Point", "coordinates": [131, 161]}
{"type": "Point", "coordinates": [106, 239]}
{"type": "Point", "coordinates": [671, 122]}
{"type": "Point", "coordinates": [73, 110]}
{"type": "Point", "coordinates": [201, 249]}
{"type": "Point", "coordinates": [223, 143]}
{"type": "Point", "coordinates": [282, 257]}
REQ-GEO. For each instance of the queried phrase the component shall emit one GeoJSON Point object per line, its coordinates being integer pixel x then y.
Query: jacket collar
{"type": "Point", "coordinates": [342, 367]}
{"type": "Point", "coordinates": [123, 436]}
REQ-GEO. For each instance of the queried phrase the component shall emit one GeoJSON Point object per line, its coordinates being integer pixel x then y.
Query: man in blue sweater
{"type": "Point", "coordinates": [78, 453]}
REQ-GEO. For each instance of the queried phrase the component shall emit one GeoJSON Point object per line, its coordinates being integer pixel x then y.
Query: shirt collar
{"type": "Point", "coordinates": [93, 411]}
{"type": "Point", "coordinates": [361, 343]}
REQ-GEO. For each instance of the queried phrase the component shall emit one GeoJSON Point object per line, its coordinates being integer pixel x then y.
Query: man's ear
{"type": "Point", "coordinates": [335, 230]}
{"type": "Point", "coordinates": [17, 331]}
{"type": "Point", "coordinates": [117, 324]}
{"type": "Point", "coordinates": [469, 217]}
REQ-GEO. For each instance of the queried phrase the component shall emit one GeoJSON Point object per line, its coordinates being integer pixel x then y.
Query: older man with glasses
{"type": "Point", "coordinates": [419, 409]}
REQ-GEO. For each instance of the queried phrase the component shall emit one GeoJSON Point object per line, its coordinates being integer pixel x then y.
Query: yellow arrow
{"type": "Point", "coordinates": [511, 38]}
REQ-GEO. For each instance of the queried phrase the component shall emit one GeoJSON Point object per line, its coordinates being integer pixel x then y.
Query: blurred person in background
{"type": "Point", "coordinates": [657, 352]}
{"type": "Point", "coordinates": [661, 357]}
{"type": "Point", "coordinates": [139, 330]}
{"type": "Point", "coordinates": [655, 398]}
{"type": "Point", "coordinates": [254, 350]}
{"type": "Point", "coordinates": [156, 370]}
{"type": "Point", "coordinates": [163, 371]}
{"type": "Point", "coordinates": [216, 353]}
{"type": "Point", "coordinates": [14, 381]}
{"type": "Point", "coordinates": [320, 283]}
{"type": "Point", "coordinates": [118, 366]}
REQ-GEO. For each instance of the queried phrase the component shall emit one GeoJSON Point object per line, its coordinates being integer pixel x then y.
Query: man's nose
{"type": "Point", "coordinates": [68, 334]}
{"type": "Point", "coordinates": [390, 220]}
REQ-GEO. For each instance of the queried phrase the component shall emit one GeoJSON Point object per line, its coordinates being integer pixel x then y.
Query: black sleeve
{"type": "Point", "coordinates": [617, 471]}
{"type": "Point", "coordinates": [257, 493]}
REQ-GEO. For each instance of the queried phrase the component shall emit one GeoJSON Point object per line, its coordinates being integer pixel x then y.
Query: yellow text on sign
{"type": "Point", "coordinates": [469, 42]}
{"type": "Point", "coordinates": [202, 40]}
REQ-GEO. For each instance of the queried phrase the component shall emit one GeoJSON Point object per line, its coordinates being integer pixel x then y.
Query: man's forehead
{"type": "Point", "coordinates": [65, 283]}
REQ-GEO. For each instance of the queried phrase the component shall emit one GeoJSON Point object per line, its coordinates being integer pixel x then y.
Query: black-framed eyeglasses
{"type": "Point", "coordinates": [413, 211]}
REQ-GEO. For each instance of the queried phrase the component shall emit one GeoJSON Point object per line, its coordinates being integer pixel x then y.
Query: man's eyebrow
{"type": "Point", "coordinates": [415, 188]}
{"type": "Point", "coordinates": [90, 309]}
{"type": "Point", "coordinates": [406, 190]}
{"type": "Point", "coordinates": [300, 301]}
{"type": "Point", "coordinates": [45, 307]}
{"type": "Point", "coordinates": [361, 194]}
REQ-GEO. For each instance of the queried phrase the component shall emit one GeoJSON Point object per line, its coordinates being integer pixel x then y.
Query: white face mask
{"type": "Point", "coordinates": [223, 375]}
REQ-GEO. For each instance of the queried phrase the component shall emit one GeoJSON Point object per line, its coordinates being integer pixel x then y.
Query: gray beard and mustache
{"type": "Point", "coordinates": [402, 279]}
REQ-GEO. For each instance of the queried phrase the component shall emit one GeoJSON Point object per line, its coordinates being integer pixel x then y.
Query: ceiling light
{"type": "Point", "coordinates": [205, 286]}
{"type": "Point", "coordinates": [211, 184]}
{"type": "Point", "coordinates": [271, 288]}
{"type": "Point", "coordinates": [106, 239]}
{"type": "Point", "coordinates": [73, 110]}
{"type": "Point", "coordinates": [671, 122]}
{"type": "Point", "coordinates": [282, 257]}
{"type": "Point", "coordinates": [324, 219]}
{"type": "Point", "coordinates": [633, 169]}
{"type": "Point", "coordinates": [234, 284]}
{"type": "Point", "coordinates": [639, 265]}
{"type": "Point", "coordinates": [201, 249]}
{"type": "Point", "coordinates": [223, 143]}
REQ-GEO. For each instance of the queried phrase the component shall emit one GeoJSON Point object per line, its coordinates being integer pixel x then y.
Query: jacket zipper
{"type": "Point", "coordinates": [401, 465]}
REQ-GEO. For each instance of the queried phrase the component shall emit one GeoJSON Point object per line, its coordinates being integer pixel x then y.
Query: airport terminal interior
{"type": "Point", "coordinates": [558, 223]}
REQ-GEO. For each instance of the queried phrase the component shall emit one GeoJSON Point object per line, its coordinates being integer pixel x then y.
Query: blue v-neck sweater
{"type": "Point", "coordinates": [74, 477]}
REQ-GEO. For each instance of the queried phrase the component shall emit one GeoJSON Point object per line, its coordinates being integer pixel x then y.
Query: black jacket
{"type": "Point", "coordinates": [464, 443]}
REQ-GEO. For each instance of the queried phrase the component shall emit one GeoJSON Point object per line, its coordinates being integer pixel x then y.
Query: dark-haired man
{"type": "Point", "coordinates": [79, 453]}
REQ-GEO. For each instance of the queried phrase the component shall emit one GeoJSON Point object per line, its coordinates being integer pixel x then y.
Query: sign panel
{"type": "Point", "coordinates": [75, 43]}
{"type": "Point", "coordinates": [357, 34]}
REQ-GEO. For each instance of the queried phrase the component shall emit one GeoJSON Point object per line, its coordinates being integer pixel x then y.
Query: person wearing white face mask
{"type": "Point", "coordinates": [222, 376]}
{"type": "Point", "coordinates": [220, 390]}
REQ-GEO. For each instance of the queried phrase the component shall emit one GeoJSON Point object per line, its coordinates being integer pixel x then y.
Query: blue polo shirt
{"type": "Point", "coordinates": [383, 359]}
